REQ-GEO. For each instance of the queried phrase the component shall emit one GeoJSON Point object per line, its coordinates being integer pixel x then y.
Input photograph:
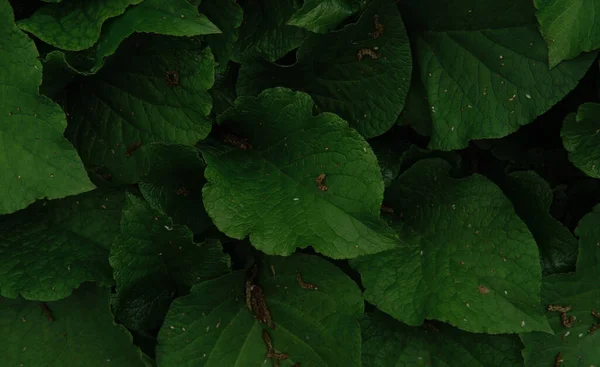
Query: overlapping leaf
{"type": "Point", "coordinates": [72, 24]}
{"type": "Point", "coordinates": [532, 198]}
{"type": "Point", "coordinates": [316, 327]}
{"type": "Point", "coordinates": [465, 257]}
{"type": "Point", "coordinates": [227, 15]}
{"type": "Point", "coordinates": [389, 343]}
{"type": "Point", "coordinates": [75, 332]}
{"type": "Point", "coordinates": [155, 90]}
{"type": "Point", "coordinates": [264, 32]}
{"type": "Point", "coordinates": [484, 67]}
{"type": "Point", "coordinates": [580, 134]}
{"type": "Point", "coordinates": [36, 160]}
{"type": "Point", "coordinates": [48, 250]}
{"type": "Point", "coordinates": [361, 72]}
{"type": "Point", "coordinates": [302, 180]}
{"type": "Point", "coordinates": [323, 16]}
{"type": "Point", "coordinates": [588, 232]}
{"type": "Point", "coordinates": [173, 184]}
{"type": "Point", "coordinates": [569, 27]}
{"type": "Point", "coordinates": [152, 258]}
{"type": "Point", "coordinates": [577, 345]}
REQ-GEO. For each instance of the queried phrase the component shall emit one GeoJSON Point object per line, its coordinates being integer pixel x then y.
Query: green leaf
{"type": "Point", "coordinates": [322, 16]}
{"type": "Point", "coordinates": [465, 258]}
{"type": "Point", "coordinates": [532, 198]}
{"type": "Point", "coordinates": [484, 67]}
{"type": "Point", "coordinates": [329, 69]}
{"type": "Point", "coordinates": [270, 192]}
{"type": "Point", "coordinates": [155, 90]}
{"type": "Point", "coordinates": [387, 342]}
{"type": "Point", "coordinates": [83, 333]}
{"type": "Point", "coordinates": [580, 138]}
{"type": "Point", "coordinates": [264, 32]}
{"type": "Point", "coordinates": [588, 232]}
{"type": "Point", "coordinates": [569, 27]}
{"type": "Point", "coordinates": [152, 258]}
{"type": "Point", "coordinates": [36, 160]}
{"type": "Point", "coordinates": [577, 346]}
{"type": "Point", "coordinates": [228, 16]}
{"type": "Point", "coordinates": [50, 249]}
{"type": "Point", "coordinates": [73, 24]}
{"type": "Point", "coordinates": [173, 185]}
{"type": "Point", "coordinates": [213, 327]}
{"type": "Point", "coordinates": [172, 18]}
{"type": "Point", "coordinates": [416, 108]}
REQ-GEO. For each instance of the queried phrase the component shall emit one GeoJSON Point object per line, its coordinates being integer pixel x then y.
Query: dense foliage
{"type": "Point", "coordinates": [299, 183]}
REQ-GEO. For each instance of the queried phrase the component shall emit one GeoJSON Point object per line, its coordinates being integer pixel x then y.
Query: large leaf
{"type": "Point", "coordinates": [227, 15]}
{"type": "Point", "coordinates": [82, 333]}
{"type": "Point", "coordinates": [48, 250]}
{"type": "Point", "coordinates": [271, 193]}
{"type": "Point", "coordinates": [389, 343]}
{"type": "Point", "coordinates": [577, 345]}
{"type": "Point", "coordinates": [588, 231]}
{"type": "Point", "coordinates": [322, 16]}
{"type": "Point", "coordinates": [155, 90]}
{"type": "Point", "coordinates": [532, 198]}
{"type": "Point", "coordinates": [213, 327]}
{"type": "Point", "coordinates": [369, 93]}
{"type": "Point", "coordinates": [152, 259]}
{"type": "Point", "coordinates": [580, 134]}
{"type": "Point", "coordinates": [173, 184]}
{"type": "Point", "coordinates": [36, 160]}
{"type": "Point", "coordinates": [484, 66]}
{"type": "Point", "coordinates": [465, 258]}
{"type": "Point", "coordinates": [73, 24]}
{"type": "Point", "coordinates": [264, 32]}
{"type": "Point", "coordinates": [569, 27]}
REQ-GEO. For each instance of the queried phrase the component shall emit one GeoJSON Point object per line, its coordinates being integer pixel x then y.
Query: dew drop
{"type": "Point", "coordinates": [522, 323]}
{"type": "Point", "coordinates": [528, 96]}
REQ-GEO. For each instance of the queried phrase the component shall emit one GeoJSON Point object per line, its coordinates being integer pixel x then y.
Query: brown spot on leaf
{"type": "Point", "coordinates": [47, 312]}
{"type": "Point", "coordinates": [373, 53]}
{"type": "Point", "coordinates": [172, 78]}
{"type": "Point", "coordinates": [320, 182]}
{"type": "Point", "coordinates": [304, 284]}
{"type": "Point", "coordinates": [378, 28]}
{"type": "Point", "coordinates": [559, 308]}
{"type": "Point", "coordinates": [483, 289]}
{"type": "Point", "coordinates": [132, 148]}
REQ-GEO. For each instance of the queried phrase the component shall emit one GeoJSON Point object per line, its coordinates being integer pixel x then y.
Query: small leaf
{"type": "Point", "coordinates": [155, 90]}
{"type": "Point", "coordinates": [323, 16]}
{"type": "Point", "coordinates": [483, 65]}
{"type": "Point", "coordinates": [152, 258]}
{"type": "Point", "coordinates": [588, 231]}
{"type": "Point", "coordinates": [213, 327]}
{"type": "Point", "coordinates": [389, 343]}
{"type": "Point", "coordinates": [173, 184]}
{"type": "Point", "coordinates": [51, 248]}
{"type": "Point", "coordinates": [368, 92]}
{"type": "Point", "coordinates": [577, 345]}
{"type": "Point", "coordinates": [82, 332]}
{"type": "Point", "coordinates": [275, 191]}
{"type": "Point", "coordinates": [227, 15]}
{"type": "Point", "coordinates": [580, 135]}
{"type": "Point", "coordinates": [72, 24]}
{"type": "Point", "coordinates": [532, 198]}
{"type": "Point", "coordinates": [569, 27]}
{"type": "Point", "coordinates": [465, 257]}
{"type": "Point", "coordinates": [264, 32]}
{"type": "Point", "coordinates": [36, 160]}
